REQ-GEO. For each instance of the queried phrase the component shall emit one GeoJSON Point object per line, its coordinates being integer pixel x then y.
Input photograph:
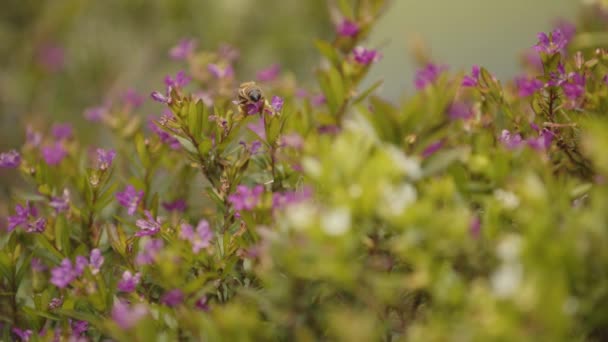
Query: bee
{"type": "Point", "coordinates": [250, 94]}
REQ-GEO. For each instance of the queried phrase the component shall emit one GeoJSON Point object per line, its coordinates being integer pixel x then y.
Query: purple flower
{"type": "Point", "coordinates": [95, 114]}
{"type": "Point", "coordinates": [150, 252]}
{"type": "Point", "coordinates": [51, 57]}
{"type": "Point", "coordinates": [79, 327]}
{"type": "Point", "coordinates": [473, 80]}
{"type": "Point", "coordinates": [255, 147]}
{"type": "Point", "coordinates": [301, 93]}
{"type": "Point", "coordinates": [246, 198]}
{"type": "Point", "coordinates": [24, 335]}
{"type": "Point", "coordinates": [347, 28]}
{"type": "Point", "coordinates": [62, 131]}
{"type": "Point", "coordinates": [552, 44]}
{"type": "Point", "coordinates": [293, 140]}
{"type": "Point", "coordinates": [428, 75]}
{"type": "Point", "coordinates": [61, 203]}
{"type": "Point", "coordinates": [37, 265]}
{"type": "Point", "coordinates": [527, 86]}
{"type": "Point", "coordinates": [133, 98]}
{"type": "Point", "coordinates": [55, 303]}
{"type": "Point", "coordinates": [127, 317]}
{"type": "Point", "coordinates": [204, 96]}
{"type": "Point", "coordinates": [54, 154]}
{"type": "Point", "coordinates": [10, 159]}
{"type": "Point", "coordinates": [148, 226]}
{"type": "Point", "coordinates": [158, 97]}
{"type": "Point", "coordinates": [96, 260]}
{"type": "Point", "coordinates": [173, 298]}
{"type": "Point", "coordinates": [255, 108]}
{"type": "Point", "coordinates": [283, 199]}
{"type": "Point", "coordinates": [37, 226]}
{"type": "Point", "coordinates": [575, 87]}
{"type": "Point", "coordinates": [130, 198]}
{"type": "Point", "coordinates": [201, 238]}
{"type": "Point", "coordinates": [163, 135]}
{"type": "Point", "coordinates": [258, 128]}
{"type": "Point", "coordinates": [542, 142]}
{"type": "Point", "coordinates": [219, 72]}
{"type": "Point", "coordinates": [80, 265]}
{"type": "Point", "coordinates": [129, 282]}
{"type": "Point", "coordinates": [228, 52]}
{"type": "Point", "coordinates": [328, 129]}
{"type": "Point", "coordinates": [318, 100]}
{"type": "Point", "coordinates": [277, 103]}
{"type": "Point", "coordinates": [459, 110]}
{"type": "Point", "coordinates": [178, 205]}
{"type": "Point", "coordinates": [22, 216]}
{"type": "Point", "coordinates": [509, 140]}
{"type": "Point", "coordinates": [183, 49]}
{"type": "Point", "coordinates": [269, 74]}
{"type": "Point", "coordinates": [32, 137]}
{"type": "Point", "coordinates": [181, 80]}
{"type": "Point", "coordinates": [475, 227]}
{"type": "Point", "coordinates": [63, 275]}
{"type": "Point", "coordinates": [567, 28]}
{"type": "Point", "coordinates": [105, 158]}
{"type": "Point", "coordinates": [532, 59]}
{"type": "Point", "coordinates": [202, 304]}
{"type": "Point", "coordinates": [364, 56]}
{"type": "Point", "coordinates": [432, 148]}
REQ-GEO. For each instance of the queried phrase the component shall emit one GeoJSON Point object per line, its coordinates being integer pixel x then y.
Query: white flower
{"type": "Point", "coordinates": [410, 166]}
{"type": "Point", "coordinates": [299, 215]}
{"type": "Point", "coordinates": [395, 199]}
{"type": "Point", "coordinates": [506, 280]}
{"type": "Point", "coordinates": [508, 199]}
{"type": "Point", "coordinates": [509, 247]}
{"type": "Point", "coordinates": [336, 222]}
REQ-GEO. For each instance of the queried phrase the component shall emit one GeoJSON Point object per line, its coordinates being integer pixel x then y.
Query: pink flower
{"type": "Point", "coordinates": [130, 198]}
{"type": "Point", "coordinates": [347, 28]}
{"type": "Point", "coordinates": [509, 140]}
{"type": "Point", "coordinates": [10, 159]}
{"type": "Point", "coordinates": [220, 72]}
{"type": "Point", "coordinates": [269, 74]}
{"type": "Point", "coordinates": [148, 226]}
{"type": "Point", "coordinates": [365, 57]}
{"type": "Point", "coordinates": [428, 75]}
{"type": "Point", "coordinates": [246, 198]}
{"type": "Point", "coordinates": [472, 81]}
{"type": "Point", "coordinates": [129, 282]}
{"type": "Point", "coordinates": [105, 158]}
{"type": "Point", "coordinates": [200, 239]}
{"type": "Point", "coordinates": [54, 154]}
{"type": "Point", "coordinates": [184, 49]}
{"type": "Point", "coordinates": [150, 252]}
{"type": "Point", "coordinates": [127, 316]}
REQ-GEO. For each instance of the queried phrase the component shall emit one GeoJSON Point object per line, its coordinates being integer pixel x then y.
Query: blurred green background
{"type": "Point", "coordinates": [59, 57]}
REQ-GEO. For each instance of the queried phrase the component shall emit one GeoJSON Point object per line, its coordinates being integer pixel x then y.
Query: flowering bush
{"type": "Point", "coordinates": [474, 210]}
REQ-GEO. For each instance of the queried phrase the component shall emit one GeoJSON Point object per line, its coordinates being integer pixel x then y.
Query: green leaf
{"type": "Point", "coordinates": [329, 52]}
{"type": "Point", "coordinates": [5, 265]}
{"type": "Point", "coordinates": [48, 247]}
{"type": "Point", "coordinates": [337, 85]}
{"type": "Point", "coordinates": [442, 159]}
{"type": "Point", "coordinates": [186, 144]}
{"type": "Point", "coordinates": [205, 146]}
{"type": "Point", "coordinates": [62, 235]}
{"type": "Point", "coordinates": [346, 9]}
{"type": "Point", "coordinates": [142, 150]}
{"type": "Point", "coordinates": [367, 91]}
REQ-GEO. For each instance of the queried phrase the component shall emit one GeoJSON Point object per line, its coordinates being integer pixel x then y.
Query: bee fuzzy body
{"type": "Point", "coordinates": [250, 94]}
